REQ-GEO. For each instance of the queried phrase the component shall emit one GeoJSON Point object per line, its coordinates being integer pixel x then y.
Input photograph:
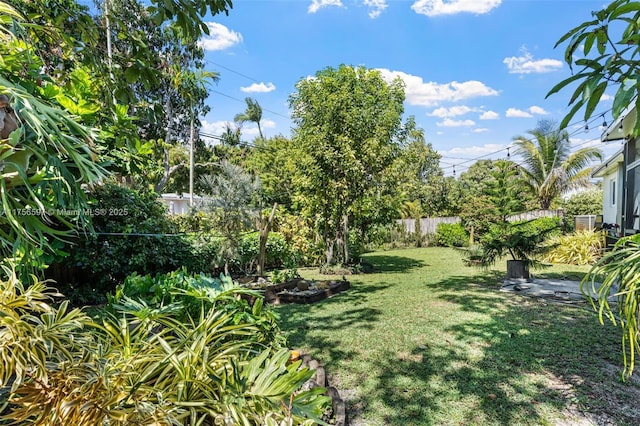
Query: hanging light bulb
{"type": "Point", "coordinates": [586, 127]}
{"type": "Point", "coordinates": [508, 153]}
{"type": "Point", "coordinates": [454, 171]}
{"type": "Point", "coordinates": [604, 122]}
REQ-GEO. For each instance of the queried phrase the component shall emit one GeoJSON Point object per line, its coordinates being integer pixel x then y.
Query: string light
{"type": "Point", "coordinates": [508, 153]}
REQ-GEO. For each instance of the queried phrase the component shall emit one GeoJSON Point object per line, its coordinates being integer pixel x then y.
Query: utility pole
{"type": "Point", "coordinates": [191, 141]}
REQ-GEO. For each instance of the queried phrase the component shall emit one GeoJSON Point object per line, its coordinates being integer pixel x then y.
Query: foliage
{"type": "Point", "coordinates": [253, 113]}
{"type": "Point", "coordinates": [582, 247]}
{"type": "Point", "coordinates": [43, 162]}
{"type": "Point", "coordinates": [451, 235]}
{"type": "Point", "coordinates": [346, 120]}
{"type": "Point", "coordinates": [143, 367]}
{"type": "Point", "coordinates": [521, 240]}
{"type": "Point", "coordinates": [282, 276]}
{"type": "Point", "coordinates": [185, 295]}
{"type": "Point", "coordinates": [132, 234]}
{"type": "Point", "coordinates": [274, 160]}
{"type": "Point", "coordinates": [583, 203]}
{"type": "Point", "coordinates": [278, 253]}
{"type": "Point", "coordinates": [550, 167]}
{"type": "Point", "coordinates": [301, 237]}
{"type": "Point", "coordinates": [491, 191]}
{"type": "Point", "coordinates": [233, 195]}
{"type": "Point", "coordinates": [609, 50]}
{"type": "Point", "coordinates": [619, 271]}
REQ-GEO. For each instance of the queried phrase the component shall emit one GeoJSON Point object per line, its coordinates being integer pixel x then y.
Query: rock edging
{"type": "Point", "coordinates": [320, 379]}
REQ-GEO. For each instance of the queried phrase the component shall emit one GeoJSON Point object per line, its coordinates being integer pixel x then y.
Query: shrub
{"type": "Point", "coordinates": [583, 203]}
{"type": "Point", "coordinates": [133, 234]}
{"type": "Point", "coordinates": [143, 367]}
{"type": "Point", "coordinates": [451, 235]}
{"type": "Point", "coordinates": [521, 240]}
{"type": "Point", "coordinates": [579, 248]}
{"type": "Point", "coordinates": [278, 253]}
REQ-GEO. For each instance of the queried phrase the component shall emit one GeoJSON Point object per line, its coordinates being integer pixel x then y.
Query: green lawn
{"type": "Point", "coordinates": [428, 341]}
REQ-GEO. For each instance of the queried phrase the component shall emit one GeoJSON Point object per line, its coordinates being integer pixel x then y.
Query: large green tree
{"type": "Point", "coordinates": [346, 120]}
{"type": "Point", "coordinates": [549, 166]}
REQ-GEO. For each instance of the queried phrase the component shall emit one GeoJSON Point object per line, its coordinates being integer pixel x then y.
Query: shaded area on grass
{"type": "Point", "coordinates": [439, 345]}
{"type": "Point", "coordinates": [393, 263]}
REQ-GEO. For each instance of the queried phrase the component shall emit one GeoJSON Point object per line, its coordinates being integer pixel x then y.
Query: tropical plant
{"type": "Point", "coordinates": [132, 234]}
{"type": "Point", "coordinates": [253, 113]}
{"type": "Point", "coordinates": [451, 235]}
{"type": "Point", "coordinates": [617, 274]}
{"type": "Point", "coordinates": [520, 240]}
{"type": "Point", "coordinates": [582, 247]}
{"type": "Point", "coordinates": [233, 195]}
{"type": "Point", "coordinates": [142, 366]}
{"type": "Point", "coordinates": [608, 55]}
{"type": "Point", "coordinates": [549, 167]}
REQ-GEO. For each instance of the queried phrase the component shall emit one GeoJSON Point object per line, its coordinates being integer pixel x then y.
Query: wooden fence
{"type": "Point", "coordinates": [429, 225]}
{"type": "Point", "coordinates": [536, 214]}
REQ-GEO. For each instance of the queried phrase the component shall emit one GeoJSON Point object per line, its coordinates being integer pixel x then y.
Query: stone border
{"type": "Point", "coordinates": [319, 378]}
{"type": "Point", "coordinates": [276, 294]}
{"type": "Point", "coordinates": [335, 287]}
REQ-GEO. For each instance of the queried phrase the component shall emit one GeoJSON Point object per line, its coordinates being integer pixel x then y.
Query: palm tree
{"type": "Point", "coordinates": [253, 113]}
{"type": "Point", "coordinates": [549, 167]}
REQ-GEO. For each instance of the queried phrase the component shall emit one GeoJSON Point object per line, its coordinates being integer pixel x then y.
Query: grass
{"type": "Point", "coordinates": [428, 341]}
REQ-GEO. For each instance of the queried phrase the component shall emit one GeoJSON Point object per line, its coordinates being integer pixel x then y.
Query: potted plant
{"type": "Point", "coordinates": [522, 241]}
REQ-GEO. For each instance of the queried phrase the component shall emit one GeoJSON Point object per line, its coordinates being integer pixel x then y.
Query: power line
{"type": "Point", "coordinates": [595, 117]}
{"type": "Point", "coordinates": [242, 101]}
{"type": "Point", "coordinates": [234, 71]}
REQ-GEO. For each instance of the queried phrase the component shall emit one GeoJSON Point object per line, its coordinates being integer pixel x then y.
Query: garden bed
{"type": "Point", "coordinates": [304, 291]}
{"type": "Point", "coordinates": [299, 290]}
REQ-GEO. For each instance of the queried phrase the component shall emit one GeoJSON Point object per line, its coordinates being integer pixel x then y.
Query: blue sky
{"type": "Point", "coordinates": [476, 71]}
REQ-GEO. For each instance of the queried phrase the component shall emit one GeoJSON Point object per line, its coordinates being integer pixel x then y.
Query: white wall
{"type": "Point", "coordinates": [612, 201]}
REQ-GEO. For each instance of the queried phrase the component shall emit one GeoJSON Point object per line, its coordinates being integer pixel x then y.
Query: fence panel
{"type": "Point", "coordinates": [536, 214]}
{"type": "Point", "coordinates": [428, 225]}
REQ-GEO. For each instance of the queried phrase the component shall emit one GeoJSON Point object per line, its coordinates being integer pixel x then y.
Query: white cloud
{"type": "Point", "coordinates": [489, 115]}
{"type": "Point", "coordinates": [439, 133]}
{"type": "Point", "coordinates": [220, 37]}
{"type": "Point", "coordinates": [525, 64]}
{"type": "Point", "coordinates": [536, 110]}
{"type": "Point", "coordinates": [215, 127]}
{"type": "Point", "coordinates": [606, 97]}
{"type": "Point", "coordinates": [451, 7]}
{"type": "Point", "coordinates": [514, 112]}
{"type": "Point", "coordinates": [456, 123]}
{"type": "Point", "coordinates": [319, 4]}
{"type": "Point", "coordinates": [480, 130]}
{"type": "Point", "coordinates": [252, 130]}
{"type": "Point", "coordinates": [473, 151]}
{"type": "Point", "coordinates": [259, 88]}
{"type": "Point", "coordinates": [452, 111]}
{"type": "Point", "coordinates": [376, 7]}
{"type": "Point", "coordinates": [430, 93]}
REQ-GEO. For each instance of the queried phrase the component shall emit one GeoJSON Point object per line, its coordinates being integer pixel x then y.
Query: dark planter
{"type": "Point", "coordinates": [517, 270]}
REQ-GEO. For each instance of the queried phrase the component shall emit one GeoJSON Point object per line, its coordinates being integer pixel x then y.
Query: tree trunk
{"type": "Point", "coordinates": [471, 231]}
{"type": "Point", "coordinates": [345, 231]}
{"type": "Point", "coordinates": [328, 250]}
{"type": "Point", "coordinates": [418, 232]}
{"type": "Point", "coordinates": [265, 227]}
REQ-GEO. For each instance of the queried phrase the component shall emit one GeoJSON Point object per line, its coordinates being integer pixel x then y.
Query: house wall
{"type": "Point", "coordinates": [612, 196]}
